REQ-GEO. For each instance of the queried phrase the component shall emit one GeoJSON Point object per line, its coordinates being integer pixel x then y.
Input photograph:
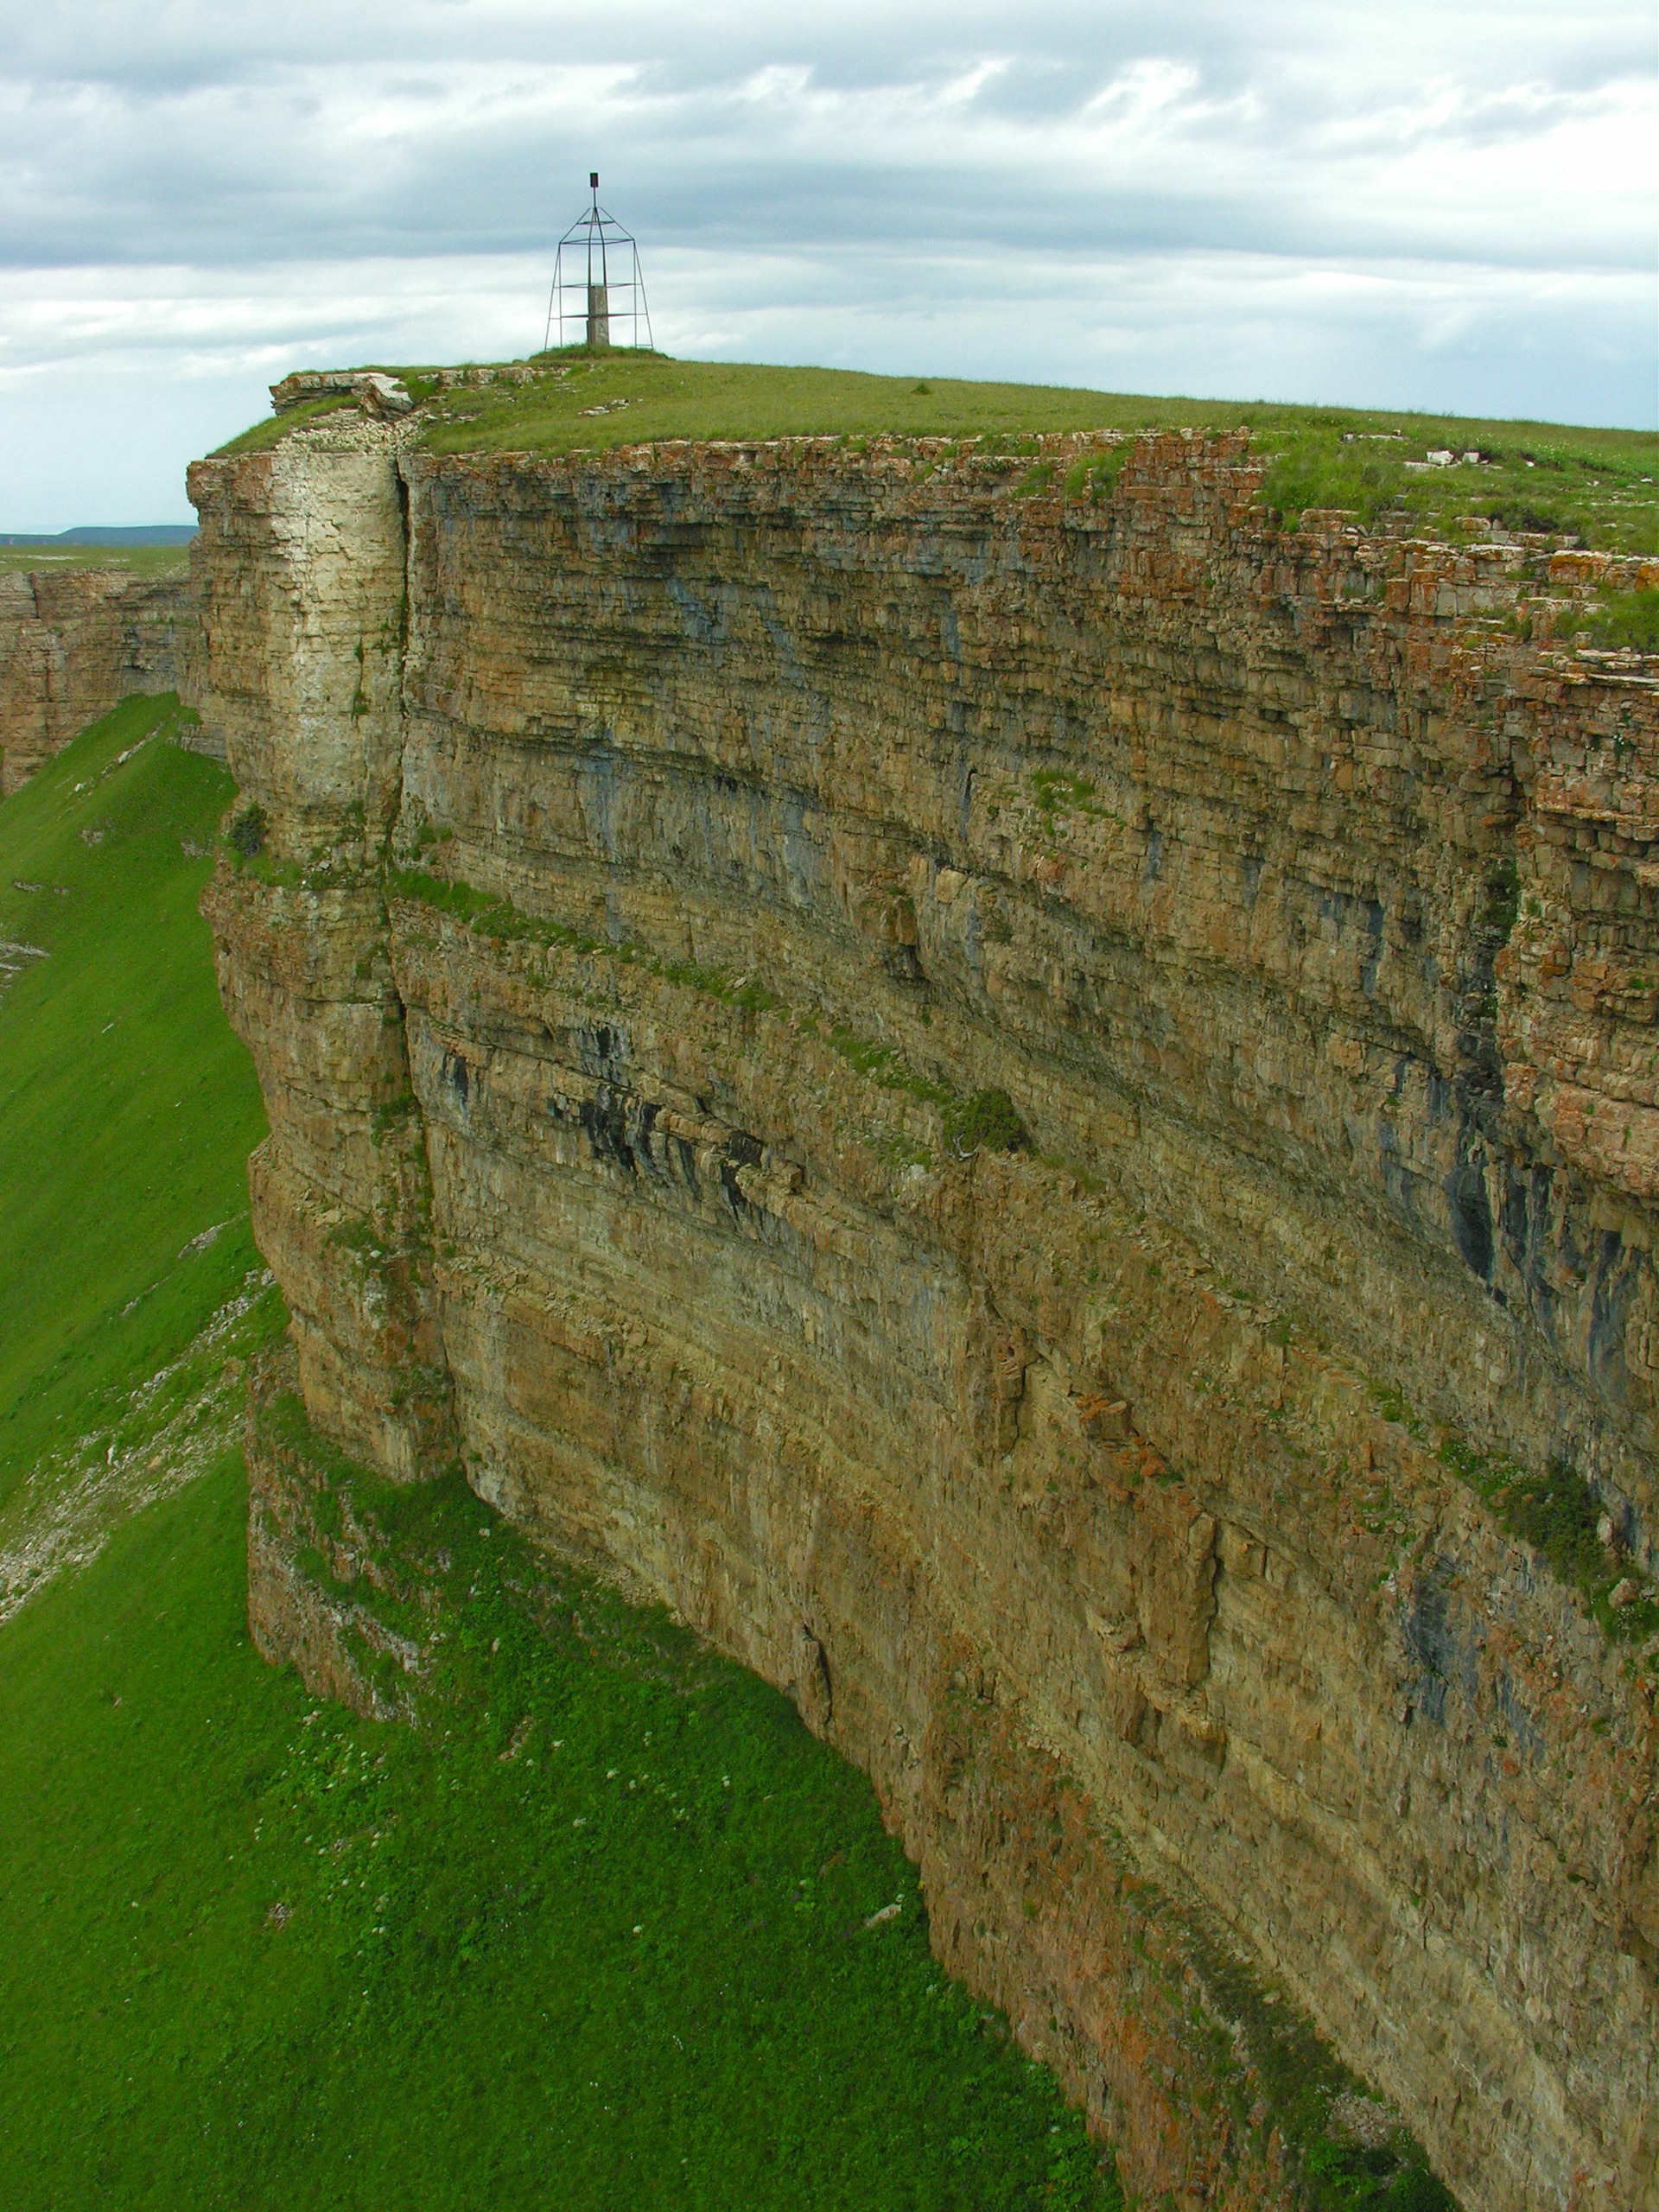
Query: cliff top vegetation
{"type": "Point", "coordinates": [141, 560]}
{"type": "Point", "coordinates": [1600, 486]}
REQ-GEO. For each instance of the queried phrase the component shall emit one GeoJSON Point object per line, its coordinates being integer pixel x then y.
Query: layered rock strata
{"type": "Point", "coordinates": [1031, 1099]}
{"type": "Point", "coordinates": [74, 641]}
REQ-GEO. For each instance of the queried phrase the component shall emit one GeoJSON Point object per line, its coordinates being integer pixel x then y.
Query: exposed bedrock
{"type": "Point", "coordinates": [665, 854]}
{"type": "Point", "coordinates": [74, 641]}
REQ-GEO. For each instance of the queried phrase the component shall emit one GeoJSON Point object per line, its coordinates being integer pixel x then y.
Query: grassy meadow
{"type": "Point", "coordinates": [1600, 486]}
{"type": "Point", "coordinates": [140, 560]}
{"type": "Point", "coordinates": [607, 1928]}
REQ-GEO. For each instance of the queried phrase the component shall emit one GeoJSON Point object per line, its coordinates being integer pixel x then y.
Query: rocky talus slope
{"type": "Point", "coordinates": [72, 642]}
{"type": "Point", "coordinates": [1036, 1102]}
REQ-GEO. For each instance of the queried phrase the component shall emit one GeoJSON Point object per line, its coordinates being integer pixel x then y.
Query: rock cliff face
{"type": "Point", "coordinates": [72, 642]}
{"type": "Point", "coordinates": [1042, 1113]}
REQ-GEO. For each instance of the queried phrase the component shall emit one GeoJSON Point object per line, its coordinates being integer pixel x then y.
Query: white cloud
{"type": "Point", "coordinates": [1448, 204]}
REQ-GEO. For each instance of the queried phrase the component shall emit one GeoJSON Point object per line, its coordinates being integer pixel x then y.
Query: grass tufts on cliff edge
{"type": "Point", "coordinates": [257, 1953]}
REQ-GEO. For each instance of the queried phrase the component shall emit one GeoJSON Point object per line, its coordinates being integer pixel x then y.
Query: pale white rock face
{"type": "Point", "coordinates": [1101, 1495]}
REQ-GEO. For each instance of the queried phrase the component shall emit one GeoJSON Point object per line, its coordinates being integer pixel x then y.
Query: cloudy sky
{"type": "Point", "coordinates": [1446, 204]}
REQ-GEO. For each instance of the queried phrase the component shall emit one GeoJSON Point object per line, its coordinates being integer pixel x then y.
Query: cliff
{"type": "Point", "coordinates": [1037, 1106]}
{"type": "Point", "coordinates": [72, 642]}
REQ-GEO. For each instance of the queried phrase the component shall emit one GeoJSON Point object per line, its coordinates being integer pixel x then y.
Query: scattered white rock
{"type": "Point", "coordinates": [12, 956]}
{"type": "Point", "coordinates": [67, 1509]}
{"type": "Point", "coordinates": [1361, 2120]}
{"type": "Point", "coordinates": [378, 393]}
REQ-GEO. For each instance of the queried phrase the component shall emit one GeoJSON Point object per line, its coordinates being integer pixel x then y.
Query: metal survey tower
{"type": "Point", "coordinates": [597, 284]}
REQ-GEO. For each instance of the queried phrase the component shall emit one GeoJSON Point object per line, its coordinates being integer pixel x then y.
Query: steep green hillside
{"type": "Point", "coordinates": [127, 1108]}
{"type": "Point", "coordinates": [607, 1929]}
{"type": "Point", "coordinates": [254, 1953]}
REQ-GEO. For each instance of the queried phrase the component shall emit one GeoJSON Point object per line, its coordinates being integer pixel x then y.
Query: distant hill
{"type": "Point", "coordinates": [147, 533]}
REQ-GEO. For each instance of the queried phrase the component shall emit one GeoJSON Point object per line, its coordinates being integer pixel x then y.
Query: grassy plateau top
{"type": "Point", "coordinates": [142, 560]}
{"type": "Point", "coordinates": [1599, 487]}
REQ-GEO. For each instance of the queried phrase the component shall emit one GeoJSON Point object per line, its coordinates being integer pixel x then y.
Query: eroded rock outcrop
{"type": "Point", "coordinates": [72, 642]}
{"type": "Point", "coordinates": [1040, 1111]}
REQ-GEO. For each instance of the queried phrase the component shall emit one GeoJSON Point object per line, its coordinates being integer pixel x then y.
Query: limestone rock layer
{"type": "Point", "coordinates": [1024, 1105]}
{"type": "Point", "coordinates": [74, 641]}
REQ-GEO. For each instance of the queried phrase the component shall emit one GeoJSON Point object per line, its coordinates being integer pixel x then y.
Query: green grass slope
{"type": "Point", "coordinates": [592, 1937]}
{"type": "Point", "coordinates": [127, 1107]}
{"type": "Point", "coordinates": [1597, 485]}
{"type": "Point", "coordinates": [256, 1953]}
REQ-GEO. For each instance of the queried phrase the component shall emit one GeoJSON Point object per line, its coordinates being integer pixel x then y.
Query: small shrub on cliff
{"type": "Point", "coordinates": [986, 1121]}
{"type": "Point", "coordinates": [1629, 618]}
{"type": "Point", "coordinates": [1095, 477]}
{"type": "Point", "coordinates": [1560, 1515]}
{"type": "Point", "coordinates": [247, 832]}
{"type": "Point", "coordinates": [886, 1067]}
{"type": "Point", "coordinates": [1320, 470]}
{"type": "Point", "coordinates": [1291, 2083]}
{"type": "Point", "coordinates": [1054, 793]}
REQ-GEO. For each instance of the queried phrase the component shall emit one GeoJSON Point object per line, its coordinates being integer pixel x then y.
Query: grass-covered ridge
{"type": "Point", "coordinates": [1598, 485]}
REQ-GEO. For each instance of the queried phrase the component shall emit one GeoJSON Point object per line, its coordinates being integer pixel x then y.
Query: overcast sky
{"type": "Point", "coordinates": [1445, 204]}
